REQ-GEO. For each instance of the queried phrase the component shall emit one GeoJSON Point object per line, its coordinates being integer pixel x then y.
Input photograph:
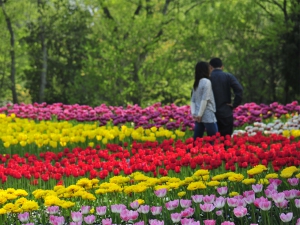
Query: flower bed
{"type": "Point", "coordinates": [58, 168]}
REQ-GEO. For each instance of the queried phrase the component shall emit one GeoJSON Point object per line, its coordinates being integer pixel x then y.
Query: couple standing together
{"type": "Point", "coordinates": [211, 104]}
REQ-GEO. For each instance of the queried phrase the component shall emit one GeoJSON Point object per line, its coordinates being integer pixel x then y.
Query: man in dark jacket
{"type": "Point", "coordinates": [222, 83]}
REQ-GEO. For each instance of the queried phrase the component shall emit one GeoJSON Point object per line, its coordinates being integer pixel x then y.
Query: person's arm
{"type": "Point", "coordinates": [193, 104]}
{"type": "Point", "coordinates": [237, 90]}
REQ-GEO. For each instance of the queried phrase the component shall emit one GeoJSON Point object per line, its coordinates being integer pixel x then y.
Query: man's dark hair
{"type": "Point", "coordinates": [216, 62]}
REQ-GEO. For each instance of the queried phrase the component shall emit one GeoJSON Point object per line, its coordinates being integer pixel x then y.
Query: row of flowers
{"type": "Point", "coordinates": [156, 158]}
{"type": "Point", "coordinates": [171, 116]}
{"type": "Point", "coordinates": [140, 199]}
{"type": "Point", "coordinates": [17, 134]}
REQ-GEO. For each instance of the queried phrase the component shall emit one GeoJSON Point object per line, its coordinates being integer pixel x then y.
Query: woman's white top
{"type": "Point", "coordinates": [203, 102]}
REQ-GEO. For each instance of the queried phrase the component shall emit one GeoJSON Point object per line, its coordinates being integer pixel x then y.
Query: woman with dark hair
{"type": "Point", "coordinates": [203, 105]}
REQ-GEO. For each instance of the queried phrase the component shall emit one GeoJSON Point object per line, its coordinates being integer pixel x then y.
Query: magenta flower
{"type": "Point", "coordinates": [297, 203]}
{"type": "Point", "coordinates": [207, 207]}
{"type": "Point", "coordinates": [222, 190]}
{"type": "Point", "coordinates": [85, 209]}
{"type": "Point", "coordinates": [107, 221]}
{"type": "Point", "coordinates": [144, 209]}
{"type": "Point", "coordinates": [240, 211]}
{"type": "Point", "coordinates": [101, 210]}
{"type": "Point", "coordinates": [227, 223]}
{"type": "Point", "coordinates": [161, 192]}
{"type": "Point", "coordinates": [249, 199]}
{"type": "Point", "coordinates": [220, 202]}
{"type": "Point", "coordinates": [57, 220]}
{"type": "Point", "coordinates": [172, 204]}
{"type": "Point", "coordinates": [185, 203]}
{"type": "Point", "coordinates": [156, 222]}
{"type": "Point", "coordinates": [219, 212]}
{"type": "Point", "coordinates": [290, 194]}
{"type": "Point", "coordinates": [209, 198]}
{"type": "Point", "coordinates": [209, 222]}
{"type": "Point", "coordinates": [298, 221]}
{"type": "Point", "coordinates": [118, 208]}
{"type": "Point", "coordinates": [90, 219]}
{"type": "Point", "coordinates": [127, 215]}
{"type": "Point", "coordinates": [257, 187]}
{"type": "Point", "coordinates": [282, 204]}
{"type": "Point", "coordinates": [74, 223]}
{"type": "Point", "coordinates": [139, 223]}
{"type": "Point", "coordinates": [134, 204]}
{"type": "Point", "coordinates": [52, 210]}
{"type": "Point", "coordinates": [232, 202]}
{"type": "Point", "coordinates": [286, 217]}
{"type": "Point", "coordinates": [265, 205]}
{"type": "Point", "coordinates": [176, 217]}
{"type": "Point", "coordinates": [76, 216]}
{"type": "Point", "coordinates": [188, 212]}
{"type": "Point", "coordinates": [269, 192]}
{"type": "Point", "coordinates": [278, 197]}
{"type": "Point", "coordinates": [23, 217]}
{"type": "Point", "coordinates": [197, 198]}
{"type": "Point", "coordinates": [293, 181]}
{"type": "Point", "coordinates": [156, 210]}
{"type": "Point", "coordinates": [186, 221]}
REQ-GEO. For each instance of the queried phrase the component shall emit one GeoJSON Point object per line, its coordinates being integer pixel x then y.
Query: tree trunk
{"type": "Point", "coordinates": [12, 55]}
{"type": "Point", "coordinates": [44, 56]}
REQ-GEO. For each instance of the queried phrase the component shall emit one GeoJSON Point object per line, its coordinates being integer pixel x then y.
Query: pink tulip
{"type": "Point", "coordinates": [282, 204]}
{"type": "Point", "coordinates": [186, 221]}
{"type": "Point", "coordinates": [207, 207]}
{"type": "Point", "coordinates": [127, 215]}
{"type": "Point", "coordinates": [185, 203]}
{"type": "Point", "coordinates": [257, 188]}
{"type": "Point", "coordinates": [197, 198]}
{"type": "Point", "coordinates": [156, 222]}
{"type": "Point", "coordinates": [297, 203]}
{"type": "Point", "coordinates": [134, 205]}
{"type": "Point", "coordinates": [232, 202]}
{"type": "Point", "coordinates": [117, 208]}
{"type": "Point", "coordinates": [85, 209]}
{"type": "Point", "coordinates": [209, 199]}
{"type": "Point", "coordinates": [240, 211]}
{"type": "Point", "coordinates": [23, 217]}
{"type": "Point", "coordinates": [176, 217]}
{"type": "Point", "coordinates": [278, 197]}
{"type": "Point", "coordinates": [161, 192]}
{"type": "Point", "coordinates": [139, 223]}
{"type": "Point", "coordinates": [220, 202]}
{"type": "Point", "coordinates": [265, 205]}
{"type": "Point", "coordinates": [101, 210]}
{"type": "Point", "coordinates": [219, 212]}
{"type": "Point", "coordinates": [144, 209]}
{"type": "Point", "coordinates": [290, 194]}
{"type": "Point", "coordinates": [209, 222]}
{"type": "Point", "coordinates": [270, 192]}
{"type": "Point", "coordinates": [172, 204]}
{"type": "Point", "coordinates": [107, 221]}
{"type": "Point", "coordinates": [76, 216]}
{"type": "Point", "coordinates": [293, 181]}
{"type": "Point", "coordinates": [286, 217]}
{"type": "Point", "coordinates": [249, 199]}
{"type": "Point", "coordinates": [156, 210]}
{"type": "Point", "coordinates": [90, 219]}
{"type": "Point", "coordinates": [222, 190]}
{"type": "Point", "coordinates": [227, 223]}
{"type": "Point", "coordinates": [188, 212]}
{"type": "Point", "coordinates": [52, 210]}
{"type": "Point", "coordinates": [298, 221]}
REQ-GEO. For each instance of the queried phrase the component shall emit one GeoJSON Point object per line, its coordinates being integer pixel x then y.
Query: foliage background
{"type": "Point", "coordinates": [123, 52]}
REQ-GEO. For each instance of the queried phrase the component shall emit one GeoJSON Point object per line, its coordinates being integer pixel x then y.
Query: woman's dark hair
{"type": "Point", "coordinates": [201, 71]}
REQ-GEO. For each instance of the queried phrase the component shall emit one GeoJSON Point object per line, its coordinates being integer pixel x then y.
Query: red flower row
{"type": "Point", "coordinates": [241, 151]}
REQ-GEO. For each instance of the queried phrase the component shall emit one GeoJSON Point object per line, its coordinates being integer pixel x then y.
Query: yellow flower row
{"type": "Point", "coordinates": [86, 189]}
{"type": "Point", "coordinates": [15, 131]}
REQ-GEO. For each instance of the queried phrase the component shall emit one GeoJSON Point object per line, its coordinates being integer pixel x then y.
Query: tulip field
{"type": "Point", "coordinates": [77, 164]}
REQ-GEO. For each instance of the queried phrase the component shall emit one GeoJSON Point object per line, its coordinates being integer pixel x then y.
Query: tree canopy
{"type": "Point", "coordinates": [121, 52]}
